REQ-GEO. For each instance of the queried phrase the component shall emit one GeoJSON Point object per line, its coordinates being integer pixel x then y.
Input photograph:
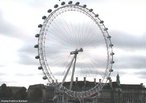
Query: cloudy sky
{"type": "Point", "coordinates": [18, 25]}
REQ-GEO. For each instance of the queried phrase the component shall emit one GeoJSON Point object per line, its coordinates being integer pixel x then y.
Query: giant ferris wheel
{"type": "Point", "coordinates": [74, 42]}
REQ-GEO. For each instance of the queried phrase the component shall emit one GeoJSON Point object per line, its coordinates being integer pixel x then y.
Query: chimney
{"type": "Point", "coordinates": [94, 80]}
{"type": "Point", "coordinates": [99, 80]}
{"type": "Point", "coordinates": [76, 79]}
{"type": "Point", "coordinates": [84, 80]}
{"type": "Point", "coordinates": [56, 81]}
{"type": "Point", "coordinates": [52, 81]}
{"type": "Point", "coordinates": [110, 82]}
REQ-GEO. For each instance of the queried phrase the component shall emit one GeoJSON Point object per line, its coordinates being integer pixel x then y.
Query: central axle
{"type": "Point", "coordinates": [76, 51]}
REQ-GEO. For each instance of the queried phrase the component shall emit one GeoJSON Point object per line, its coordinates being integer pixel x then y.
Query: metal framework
{"type": "Point", "coordinates": [44, 66]}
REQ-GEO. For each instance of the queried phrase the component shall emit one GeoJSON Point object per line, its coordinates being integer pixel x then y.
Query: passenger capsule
{"type": "Point", "coordinates": [90, 10]}
{"type": "Point", "coordinates": [36, 46]}
{"type": "Point", "coordinates": [44, 77]}
{"type": "Point", "coordinates": [112, 53]}
{"type": "Point", "coordinates": [50, 10]}
{"type": "Point", "coordinates": [111, 70]}
{"type": "Point", "coordinates": [84, 6]}
{"type": "Point", "coordinates": [37, 35]}
{"type": "Point", "coordinates": [63, 3]}
{"type": "Point", "coordinates": [70, 2]}
{"type": "Point", "coordinates": [101, 22]}
{"type": "Point", "coordinates": [111, 45]}
{"type": "Point", "coordinates": [96, 15]}
{"type": "Point", "coordinates": [105, 29]}
{"type": "Point", "coordinates": [44, 17]}
{"type": "Point", "coordinates": [112, 62]}
{"type": "Point", "coordinates": [40, 25]}
{"type": "Point", "coordinates": [37, 57]}
{"type": "Point", "coordinates": [77, 3]}
{"type": "Point", "coordinates": [109, 36]}
{"type": "Point", "coordinates": [56, 6]}
{"type": "Point", "coordinates": [40, 68]}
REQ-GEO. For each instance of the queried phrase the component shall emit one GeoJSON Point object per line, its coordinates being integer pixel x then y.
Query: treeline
{"type": "Point", "coordinates": [6, 93]}
{"type": "Point", "coordinates": [34, 95]}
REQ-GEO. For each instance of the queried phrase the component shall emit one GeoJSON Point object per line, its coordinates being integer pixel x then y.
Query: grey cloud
{"type": "Point", "coordinates": [83, 72]}
{"type": "Point", "coordinates": [141, 74]}
{"type": "Point", "coordinates": [27, 54]}
{"type": "Point", "coordinates": [37, 3]}
{"type": "Point", "coordinates": [21, 74]}
{"type": "Point", "coordinates": [121, 40]}
{"type": "Point", "coordinates": [3, 82]}
{"type": "Point", "coordinates": [58, 74]}
{"type": "Point", "coordinates": [28, 47]}
{"type": "Point", "coordinates": [91, 63]}
{"type": "Point", "coordinates": [121, 73]}
{"type": "Point", "coordinates": [2, 74]}
{"type": "Point", "coordinates": [135, 62]}
{"type": "Point", "coordinates": [98, 63]}
{"type": "Point", "coordinates": [7, 28]}
{"type": "Point", "coordinates": [89, 1]}
{"type": "Point", "coordinates": [6, 82]}
{"type": "Point", "coordinates": [74, 35]}
{"type": "Point", "coordinates": [125, 40]}
{"type": "Point", "coordinates": [26, 59]}
{"type": "Point", "coordinates": [2, 65]}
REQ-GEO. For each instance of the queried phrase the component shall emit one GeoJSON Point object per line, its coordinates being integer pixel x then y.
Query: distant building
{"type": "Point", "coordinates": [113, 92]}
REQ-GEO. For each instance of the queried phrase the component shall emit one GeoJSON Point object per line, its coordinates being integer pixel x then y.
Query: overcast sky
{"type": "Point", "coordinates": [18, 25]}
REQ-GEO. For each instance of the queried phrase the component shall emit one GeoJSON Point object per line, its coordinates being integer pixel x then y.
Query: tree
{"type": "Point", "coordinates": [5, 92]}
{"type": "Point", "coordinates": [21, 94]}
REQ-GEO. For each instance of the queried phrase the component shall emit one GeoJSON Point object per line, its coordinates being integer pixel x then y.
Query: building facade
{"type": "Point", "coordinates": [113, 92]}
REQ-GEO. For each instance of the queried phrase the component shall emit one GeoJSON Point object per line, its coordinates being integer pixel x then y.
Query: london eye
{"type": "Point", "coordinates": [74, 42]}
